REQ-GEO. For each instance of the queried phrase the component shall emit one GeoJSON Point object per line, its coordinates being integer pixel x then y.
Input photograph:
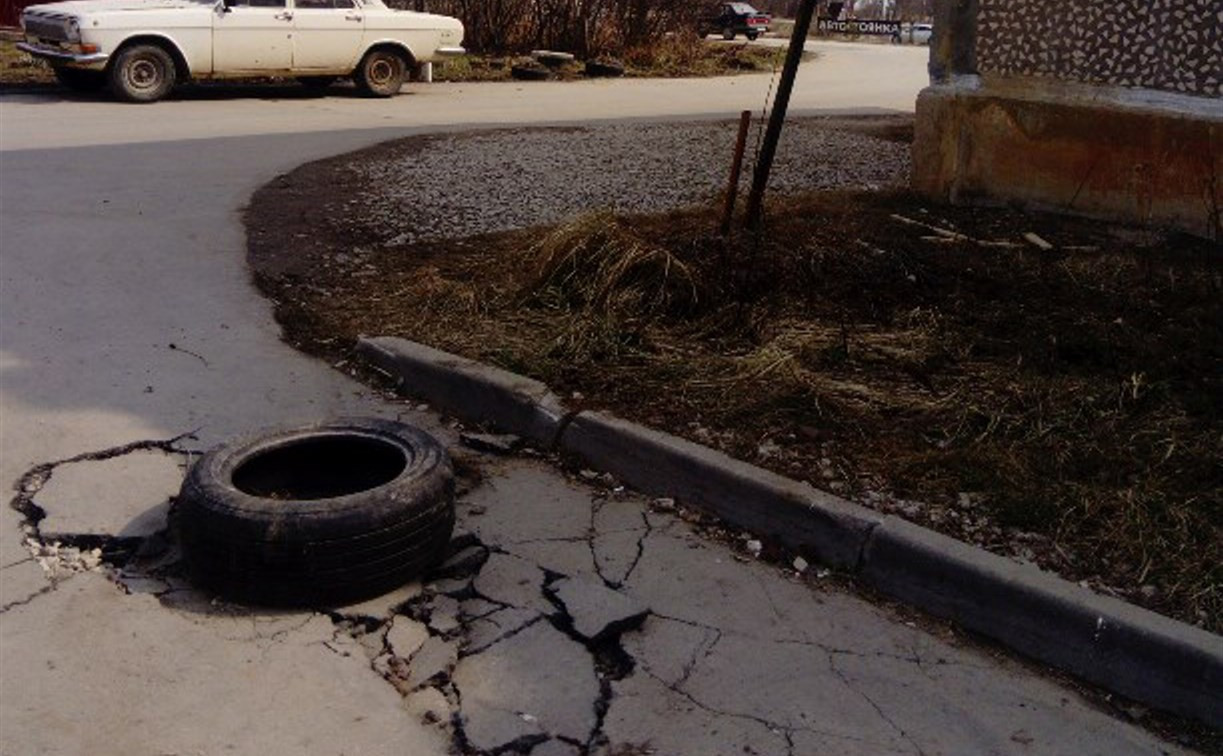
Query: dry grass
{"type": "Point", "coordinates": [18, 68]}
{"type": "Point", "coordinates": [1064, 407]}
{"type": "Point", "coordinates": [671, 57]}
{"type": "Point", "coordinates": [683, 55]}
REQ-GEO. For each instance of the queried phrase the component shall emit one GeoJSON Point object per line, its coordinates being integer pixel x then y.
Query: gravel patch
{"type": "Point", "coordinates": [485, 182]}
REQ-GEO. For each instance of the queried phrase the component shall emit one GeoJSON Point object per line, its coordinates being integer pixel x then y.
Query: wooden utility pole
{"type": "Point", "coordinates": [755, 200]}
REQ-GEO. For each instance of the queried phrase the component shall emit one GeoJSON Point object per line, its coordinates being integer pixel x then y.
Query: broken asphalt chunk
{"type": "Point", "coordinates": [435, 659]}
{"type": "Point", "coordinates": [597, 611]}
{"type": "Point", "coordinates": [492, 443]}
{"type": "Point", "coordinates": [512, 581]}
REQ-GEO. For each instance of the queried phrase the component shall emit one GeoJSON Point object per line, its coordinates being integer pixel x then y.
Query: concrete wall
{"type": "Point", "coordinates": [1105, 108]}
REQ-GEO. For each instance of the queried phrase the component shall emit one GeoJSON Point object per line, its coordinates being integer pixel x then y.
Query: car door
{"type": "Point", "coordinates": [252, 35]}
{"type": "Point", "coordinates": [327, 34]}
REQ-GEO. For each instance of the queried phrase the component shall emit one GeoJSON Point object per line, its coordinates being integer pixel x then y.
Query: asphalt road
{"type": "Point", "coordinates": [126, 315]}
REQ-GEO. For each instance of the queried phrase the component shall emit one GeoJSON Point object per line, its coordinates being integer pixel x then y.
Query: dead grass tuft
{"type": "Point", "coordinates": [606, 284]}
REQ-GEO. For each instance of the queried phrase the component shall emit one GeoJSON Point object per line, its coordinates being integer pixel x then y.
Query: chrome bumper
{"type": "Point", "coordinates": [450, 52]}
{"type": "Point", "coordinates": [56, 55]}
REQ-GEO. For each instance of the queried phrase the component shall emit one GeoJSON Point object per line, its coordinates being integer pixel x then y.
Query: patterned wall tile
{"type": "Point", "coordinates": [1172, 45]}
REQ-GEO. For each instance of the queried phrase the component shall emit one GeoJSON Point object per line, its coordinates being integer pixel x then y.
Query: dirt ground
{"type": "Point", "coordinates": [1047, 388]}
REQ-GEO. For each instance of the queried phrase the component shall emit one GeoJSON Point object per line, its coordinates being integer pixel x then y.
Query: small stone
{"type": "Point", "coordinates": [663, 505]}
{"type": "Point", "coordinates": [588, 475]}
{"type": "Point", "coordinates": [754, 547]}
{"type": "Point", "coordinates": [800, 565]}
{"type": "Point", "coordinates": [768, 449]}
{"type": "Point", "coordinates": [491, 443]}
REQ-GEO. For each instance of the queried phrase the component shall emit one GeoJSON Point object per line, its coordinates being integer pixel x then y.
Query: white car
{"type": "Point", "coordinates": [142, 47]}
{"type": "Point", "coordinates": [919, 34]}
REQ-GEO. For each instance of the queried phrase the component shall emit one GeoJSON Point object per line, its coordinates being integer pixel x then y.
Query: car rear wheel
{"type": "Point", "coordinates": [142, 73]}
{"type": "Point", "coordinates": [752, 36]}
{"type": "Point", "coordinates": [381, 73]}
{"type": "Point", "coordinates": [80, 80]}
{"type": "Point", "coordinates": [728, 35]}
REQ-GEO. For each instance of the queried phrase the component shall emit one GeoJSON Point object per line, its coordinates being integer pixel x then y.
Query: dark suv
{"type": "Point", "coordinates": [729, 19]}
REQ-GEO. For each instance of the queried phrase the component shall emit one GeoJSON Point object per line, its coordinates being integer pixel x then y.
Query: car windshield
{"type": "Point", "coordinates": [743, 9]}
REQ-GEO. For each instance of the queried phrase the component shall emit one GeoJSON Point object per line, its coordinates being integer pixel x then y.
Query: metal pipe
{"type": "Point", "coordinates": [736, 169]}
{"type": "Point", "coordinates": [798, 38]}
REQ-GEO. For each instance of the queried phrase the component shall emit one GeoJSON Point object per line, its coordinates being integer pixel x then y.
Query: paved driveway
{"type": "Point", "coordinates": [128, 321]}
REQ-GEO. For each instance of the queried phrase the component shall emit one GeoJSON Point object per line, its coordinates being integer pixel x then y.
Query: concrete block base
{"type": "Point", "coordinates": [1107, 155]}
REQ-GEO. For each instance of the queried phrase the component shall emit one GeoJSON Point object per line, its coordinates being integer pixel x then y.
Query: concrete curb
{"type": "Point", "coordinates": [469, 390]}
{"type": "Point", "coordinates": [830, 530]}
{"type": "Point", "coordinates": [1106, 641]}
{"type": "Point", "coordinates": [1121, 647]}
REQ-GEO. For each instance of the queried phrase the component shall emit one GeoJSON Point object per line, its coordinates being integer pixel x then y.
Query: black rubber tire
{"type": "Point", "coordinates": [603, 68]}
{"type": "Point", "coordinates": [142, 73]}
{"type": "Point", "coordinates": [80, 79]}
{"type": "Point", "coordinates": [728, 35]}
{"type": "Point", "coordinates": [381, 73]}
{"type": "Point", "coordinates": [752, 36]}
{"type": "Point", "coordinates": [530, 73]}
{"type": "Point", "coordinates": [316, 83]}
{"type": "Point", "coordinates": [316, 551]}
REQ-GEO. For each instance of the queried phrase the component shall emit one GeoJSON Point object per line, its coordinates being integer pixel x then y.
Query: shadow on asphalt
{"type": "Point", "coordinates": [204, 91]}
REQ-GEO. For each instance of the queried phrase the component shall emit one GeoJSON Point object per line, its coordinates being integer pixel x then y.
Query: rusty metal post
{"type": "Point", "coordinates": [798, 38]}
{"type": "Point", "coordinates": [736, 168]}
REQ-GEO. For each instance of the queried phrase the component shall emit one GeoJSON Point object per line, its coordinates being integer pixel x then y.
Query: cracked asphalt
{"type": "Point", "coordinates": [573, 617]}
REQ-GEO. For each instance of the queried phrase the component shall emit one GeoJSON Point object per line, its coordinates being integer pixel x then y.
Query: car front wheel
{"type": "Point", "coordinates": [381, 73]}
{"type": "Point", "coordinates": [728, 35]}
{"type": "Point", "coordinates": [142, 73]}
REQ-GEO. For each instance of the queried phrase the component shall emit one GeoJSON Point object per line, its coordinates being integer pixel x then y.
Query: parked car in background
{"type": "Point", "coordinates": [919, 34]}
{"type": "Point", "coordinates": [142, 48]}
{"type": "Point", "coordinates": [731, 19]}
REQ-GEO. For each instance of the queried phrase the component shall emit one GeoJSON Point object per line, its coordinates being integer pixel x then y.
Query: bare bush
{"type": "Point", "coordinates": [584, 27]}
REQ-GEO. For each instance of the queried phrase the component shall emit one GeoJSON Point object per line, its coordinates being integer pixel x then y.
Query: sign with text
{"type": "Point", "coordinates": [827, 25]}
